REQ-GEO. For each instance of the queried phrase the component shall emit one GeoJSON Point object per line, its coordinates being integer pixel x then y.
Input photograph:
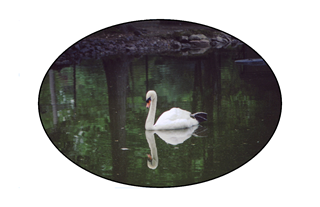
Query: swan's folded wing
{"type": "Point", "coordinates": [175, 118]}
{"type": "Point", "coordinates": [174, 114]}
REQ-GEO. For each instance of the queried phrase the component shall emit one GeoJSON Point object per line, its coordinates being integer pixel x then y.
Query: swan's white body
{"type": "Point", "coordinates": [175, 118]}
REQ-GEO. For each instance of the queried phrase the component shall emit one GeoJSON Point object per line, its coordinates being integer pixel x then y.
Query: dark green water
{"type": "Point", "coordinates": [94, 113]}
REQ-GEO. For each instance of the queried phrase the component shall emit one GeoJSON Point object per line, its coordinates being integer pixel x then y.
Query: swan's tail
{"type": "Point", "coordinates": [199, 116]}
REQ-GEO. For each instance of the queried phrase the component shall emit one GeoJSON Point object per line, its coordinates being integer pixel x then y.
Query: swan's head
{"type": "Point", "coordinates": [151, 96]}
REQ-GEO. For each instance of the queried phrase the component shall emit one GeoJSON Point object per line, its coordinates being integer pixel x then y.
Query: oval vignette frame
{"type": "Point", "coordinates": [133, 42]}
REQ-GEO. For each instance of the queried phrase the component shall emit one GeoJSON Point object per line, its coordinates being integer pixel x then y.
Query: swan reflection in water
{"type": "Point", "coordinates": [173, 137]}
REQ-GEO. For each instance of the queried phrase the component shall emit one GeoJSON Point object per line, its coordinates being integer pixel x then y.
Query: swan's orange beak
{"type": "Point", "coordinates": [148, 104]}
{"type": "Point", "coordinates": [149, 157]}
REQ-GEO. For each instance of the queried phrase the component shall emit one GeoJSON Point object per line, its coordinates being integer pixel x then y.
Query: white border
{"type": "Point", "coordinates": [35, 173]}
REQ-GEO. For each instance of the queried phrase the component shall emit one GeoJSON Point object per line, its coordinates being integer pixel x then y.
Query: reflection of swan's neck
{"type": "Point", "coordinates": [153, 163]}
{"type": "Point", "coordinates": [151, 115]}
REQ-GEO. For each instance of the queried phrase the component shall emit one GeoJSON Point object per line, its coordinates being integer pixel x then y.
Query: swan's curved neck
{"type": "Point", "coordinates": [151, 115]}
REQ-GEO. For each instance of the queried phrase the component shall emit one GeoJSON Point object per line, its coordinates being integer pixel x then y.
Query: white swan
{"type": "Point", "coordinates": [175, 118]}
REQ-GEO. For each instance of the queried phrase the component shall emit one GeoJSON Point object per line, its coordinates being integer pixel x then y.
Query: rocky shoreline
{"type": "Point", "coordinates": [139, 43]}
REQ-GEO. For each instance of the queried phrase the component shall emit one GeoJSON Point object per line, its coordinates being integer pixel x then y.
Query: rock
{"type": "Point", "coordinates": [235, 43]}
{"type": "Point", "coordinates": [220, 39]}
{"type": "Point", "coordinates": [185, 46]}
{"type": "Point", "coordinates": [219, 42]}
{"type": "Point", "coordinates": [203, 43]}
{"type": "Point", "coordinates": [176, 45]}
{"type": "Point", "coordinates": [219, 45]}
{"type": "Point", "coordinates": [198, 51]}
{"type": "Point", "coordinates": [184, 39]}
{"type": "Point", "coordinates": [131, 47]}
{"type": "Point", "coordinates": [198, 37]}
{"type": "Point", "coordinates": [213, 43]}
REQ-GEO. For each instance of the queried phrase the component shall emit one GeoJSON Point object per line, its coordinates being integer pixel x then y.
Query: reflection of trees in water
{"type": "Point", "coordinates": [53, 97]}
{"type": "Point", "coordinates": [197, 94]}
{"type": "Point", "coordinates": [206, 96]}
{"type": "Point", "coordinates": [212, 82]}
{"type": "Point", "coordinates": [56, 104]}
{"type": "Point", "coordinates": [116, 70]}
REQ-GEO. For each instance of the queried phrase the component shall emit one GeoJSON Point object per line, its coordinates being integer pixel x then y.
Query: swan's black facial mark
{"type": "Point", "coordinates": [148, 102]}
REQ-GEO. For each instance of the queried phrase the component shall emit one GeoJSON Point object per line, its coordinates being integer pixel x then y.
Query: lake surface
{"type": "Point", "coordinates": [94, 113]}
